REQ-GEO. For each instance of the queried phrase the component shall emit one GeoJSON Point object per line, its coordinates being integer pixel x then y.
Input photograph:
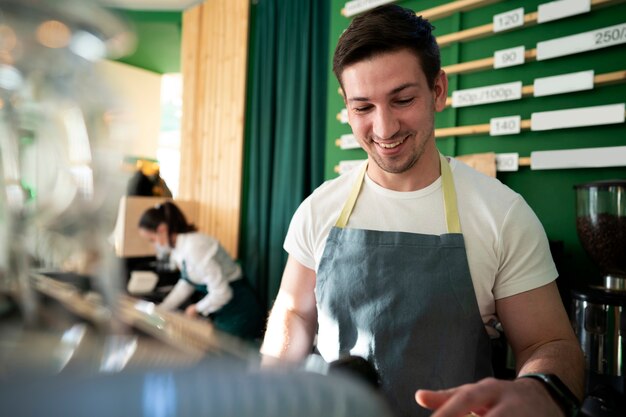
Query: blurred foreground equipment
{"type": "Point", "coordinates": [62, 299]}
{"type": "Point", "coordinates": [72, 342]}
{"type": "Point", "coordinates": [58, 199]}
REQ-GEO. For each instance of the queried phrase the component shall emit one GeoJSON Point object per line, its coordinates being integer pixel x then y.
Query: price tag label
{"type": "Point", "coordinates": [345, 166]}
{"type": "Point", "coordinates": [564, 83]}
{"type": "Point", "coordinates": [610, 156]}
{"type": "Point", "coordinates": [342, 116]}
{"type": "Point", "coordinates": [578, 117]}
{"type": "Point", "coordinates": [582, 42]}
{"type": "Point", "coordinates": [489, 94]}
{"type": "Point", "coordinates": [348, 141]}
{"type": "Point", "coordinates": [358, 6]}
{"type": "Point", "coordinates": [507, 162]}
{"type": "Point", "coordinates": [612, 35]}
{"type": "Point", "coordinates": [509, 57]}
{"type": "Point", "coordinates": [510, 125]}
{"type": "Point", "coordinates": [560, 9]}
{"type": "Point", "coordinates": [508, 20]}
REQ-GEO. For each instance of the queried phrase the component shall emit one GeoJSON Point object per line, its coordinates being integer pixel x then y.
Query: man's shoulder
{"type": "Point", "coordinates": [477, 184]}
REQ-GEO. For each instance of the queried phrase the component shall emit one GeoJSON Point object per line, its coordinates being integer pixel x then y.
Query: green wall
{"type": "Point", "coordinates": [549, 193]}
{"type": "Point", "coordinates": [159, 36]}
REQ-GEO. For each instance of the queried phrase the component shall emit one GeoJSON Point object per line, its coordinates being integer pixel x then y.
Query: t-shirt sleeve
{"type": "Point", "coordinates": [299, 240]}
{"type": "Point", "coordinates": [181, 291]}
{"type": "Point", "coordinates": [524, 253]}
{"type": "Point", "coordinates": [204, 264]}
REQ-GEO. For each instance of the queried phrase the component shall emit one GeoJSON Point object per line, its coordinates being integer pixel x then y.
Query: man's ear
{"type": "Point", "coordinates": [440, 91]}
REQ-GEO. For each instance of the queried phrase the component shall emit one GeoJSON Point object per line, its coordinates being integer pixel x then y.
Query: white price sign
{"type": "Point", "coordinates": [612, 35]}
{"type": "Point", "coordinates": [564, 83]}
{"type": "Point", "coordinates": [490, 94]}
{"type": "Point", "coordinates": [358, 6]}
{"type": "Point", "coordinates": [509, 125]}
{"type": "Point", "coordinates": [560, 9]}
{"type": "Point", "coordinates": [507, 162]}
{"type": "Point", "coordinates": [508, 20]}
{"type": "Point", "coordinates": [509, 57]}
{"type": "Point", "coordinates": [611, 156]}
{"type": "Point", "coordinates": [578, 117]}
{"type": "Point", "coordinates": [348, 141]}
{"type": "Point", "coordinates": [582, 42]}
{"type": "Point", "coordinates": [342, 116]}
{"type": "Point", "coordinates": [345, 166]}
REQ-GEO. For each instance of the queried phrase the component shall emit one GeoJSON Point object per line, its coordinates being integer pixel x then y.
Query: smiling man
{"type": "Point", "coordinates": [404, 260]}
{"type": "Point", "coordinates": [391, 108]}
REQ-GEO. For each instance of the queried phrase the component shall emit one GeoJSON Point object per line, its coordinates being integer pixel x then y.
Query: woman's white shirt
{"type": "Point", "coordinates": [207, 263]}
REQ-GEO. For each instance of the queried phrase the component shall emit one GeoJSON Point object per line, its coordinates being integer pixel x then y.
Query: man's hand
{"type": "Point", "coordinates": [492, 397]}
{"type": "Point", "coordinates": [191, 311]}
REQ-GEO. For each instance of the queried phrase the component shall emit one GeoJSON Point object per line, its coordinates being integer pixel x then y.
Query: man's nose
{"type": "Point", "coordinates": [386, 124]}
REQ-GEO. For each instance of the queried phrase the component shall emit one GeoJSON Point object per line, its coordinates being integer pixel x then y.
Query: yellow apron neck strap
{"type": "Point", "coordinates": [449, 198]}
{"type": "Point", "coordinates": [342, 221]}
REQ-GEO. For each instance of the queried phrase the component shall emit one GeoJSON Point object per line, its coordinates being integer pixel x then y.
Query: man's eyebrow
{"type": "Point", "coordinates": [392, 92]}
{"type": "Point", "coordinates": [402, 87]}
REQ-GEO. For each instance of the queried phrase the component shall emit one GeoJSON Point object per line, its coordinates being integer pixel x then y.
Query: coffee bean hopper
{"type": "Point", "coordinates": [599, 310]}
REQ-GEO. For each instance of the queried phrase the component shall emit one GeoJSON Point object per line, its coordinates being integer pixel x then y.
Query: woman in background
{"type": "Point", "coordinates": [205, 266]}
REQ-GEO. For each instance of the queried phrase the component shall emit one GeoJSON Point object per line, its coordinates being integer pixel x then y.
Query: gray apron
{"type": "Point", "coordinates": [405, 302]}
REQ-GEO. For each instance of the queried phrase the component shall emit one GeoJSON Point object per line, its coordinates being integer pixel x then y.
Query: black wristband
{"type": "Point", "coordinates": [559, 392]}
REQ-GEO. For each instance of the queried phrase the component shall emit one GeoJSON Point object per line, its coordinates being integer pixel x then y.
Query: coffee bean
{"type": "Point", "coordinates": [603, 237]}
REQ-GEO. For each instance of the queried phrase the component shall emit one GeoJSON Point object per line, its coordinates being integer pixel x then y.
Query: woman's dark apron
{"type": "Point", "coordinates": [405, 302]}
{"type": "Point", "coordinates": [242, 316]}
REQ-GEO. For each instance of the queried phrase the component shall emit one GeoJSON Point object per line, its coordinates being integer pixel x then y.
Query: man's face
{"type": "Point", "coordinates": [391, 108]}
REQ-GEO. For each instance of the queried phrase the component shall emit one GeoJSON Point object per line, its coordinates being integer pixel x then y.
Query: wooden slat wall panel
{"type": "Point", "coordinates": [192, 32]}
{"type": "Point", "coordinates": [214, 59]}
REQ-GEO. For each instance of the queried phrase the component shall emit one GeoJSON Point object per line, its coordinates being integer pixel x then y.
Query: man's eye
{"type": "Point", "coordinates": [405, 101]}
{"type": "Point", "coordinates": [361, 109]}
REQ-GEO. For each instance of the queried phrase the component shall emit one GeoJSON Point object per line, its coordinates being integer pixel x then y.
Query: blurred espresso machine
{"type": "Point", "coordinates": [63, 303]}
{"type": "Point", "coordinates": [599, 310]}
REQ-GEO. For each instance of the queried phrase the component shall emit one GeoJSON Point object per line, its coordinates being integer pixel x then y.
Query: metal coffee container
{"type": "Point", "coordinates": [599, 321]}
{"type": "Point", "coordinates": [599, 310]}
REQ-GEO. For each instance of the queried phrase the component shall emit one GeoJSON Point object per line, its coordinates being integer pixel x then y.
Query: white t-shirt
{"type": "Point", "coordinates": [507, 249]}
{"type": "Point", "coordinates": [207, 263]}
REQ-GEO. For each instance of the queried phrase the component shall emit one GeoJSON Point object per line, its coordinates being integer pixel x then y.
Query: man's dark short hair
{"type": "Point", "coordinates": [388, 28]}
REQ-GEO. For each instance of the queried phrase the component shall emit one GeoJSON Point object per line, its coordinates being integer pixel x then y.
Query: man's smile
{"type": "Point", "coordinates": [390, 145]}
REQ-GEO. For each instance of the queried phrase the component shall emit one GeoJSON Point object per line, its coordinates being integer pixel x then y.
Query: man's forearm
{"type": "Point", "coordinates": [563, 358]}
{"type": "Point", "coordinates": [288, 338]}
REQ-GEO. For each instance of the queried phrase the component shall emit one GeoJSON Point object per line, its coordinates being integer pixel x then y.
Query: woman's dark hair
{"type": "Point", "coordinates": [168, 213]}
{"type": "Point", "coordinates": [388, 28]}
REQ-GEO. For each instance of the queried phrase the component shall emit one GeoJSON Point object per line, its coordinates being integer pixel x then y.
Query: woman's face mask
{"type": "Point", "coordinates": [160, 239]}
{"type": "Point", "coordinates": [162, 251]}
